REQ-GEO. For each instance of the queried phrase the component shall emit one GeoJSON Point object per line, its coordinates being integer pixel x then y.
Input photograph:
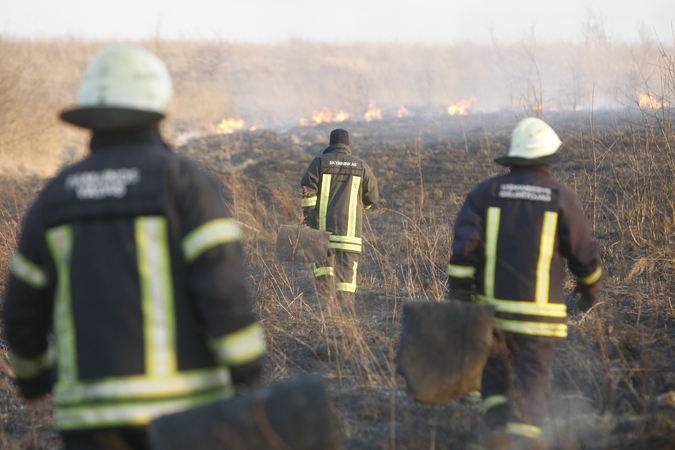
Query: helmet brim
{"type": "Point", "coordinates": [518, 161]}
{"type": "Point", "coordinates": [109, 118]}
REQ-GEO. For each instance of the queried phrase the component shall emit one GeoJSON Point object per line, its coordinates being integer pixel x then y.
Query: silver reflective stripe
{"type": "Point", "coordinates": [325, 196]}
{"type": "Point", "coordinates": [546, 248]}
{"type": "Point", "coordinates": [346, 247]}
{"type": "Point", "coordinates": [309, 201]}
{"type": "Point", "coordinates": [140, 387]}
{"type": "Point", "coordinates": [461, 271]}
{"type": "Point", "coordinates": [592, 278]}
{"type": "Point", "coordinates": [154, 270]}
{"type": "Point", "coordinates": [529, 308]}
{"type": "Point", "coordinates": [133, 413]}
{"type": "Point", "coordinates": [60, 241]}
{"type": "Point", "coordinates": [28, 368]}
{"type": "Point", "coordinates": [240, 347]}
{"type": "Point", "coordinates": [494, 400]}
{"type": "Point", "coordinates": [348, 287]}
{"type": "Point", "coordinates": [523, 429]}
{"type": "Point", "coordinates": [27, 271]}
{"type": "Point", "coordinates": [353, 206]}
{"type": "Point", "coordinates": [321, 271]}
{"type": "Point", "coordinates": [209, 235]}
{"type": "Point", "coordinates": [491, 235]}
{"type": "Point", "coordinates": [345, 239]}
{"type": "Point", "coordinates": [532, 328]}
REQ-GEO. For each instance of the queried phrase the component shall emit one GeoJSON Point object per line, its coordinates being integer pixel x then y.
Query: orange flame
{"type": "Point", "coordinates": [402, 112]}
{"type": "Point", "coordinates": [461, 107]}
{"type": "Point", "coordinates": [647, 101]}
{"type": "Point", "coordinates": [230, 125]}
{"type": "Point", "coordinates": [324, 116]}
{"type": "Point", "coordinates": [373, 113]}
{"type": "Point", "coordinates": [341, 116]}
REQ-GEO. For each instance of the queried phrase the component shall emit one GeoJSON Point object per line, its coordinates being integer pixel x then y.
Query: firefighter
{"type": "Point", "coordinates": [336, 188]}
{"type": "Point", "coordinates": [133, 261]}
{"type": "Point", "coordinates": [510, 239]}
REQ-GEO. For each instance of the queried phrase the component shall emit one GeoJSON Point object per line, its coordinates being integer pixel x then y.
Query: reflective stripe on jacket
{"type": "Point", "coordinates": [132, 259]}
{"type": "Point", "coordinates": [337, 187]}
{"type": "Point", "coordinates": [511, 238]}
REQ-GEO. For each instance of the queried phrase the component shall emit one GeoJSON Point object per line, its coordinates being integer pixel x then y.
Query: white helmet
{"type": "Point", "coordinates": [125, 86]}
{"type": "Point", "coordinates": [533, 138]}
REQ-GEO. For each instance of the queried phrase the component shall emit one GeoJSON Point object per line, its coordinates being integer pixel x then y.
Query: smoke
{"type": "Point", "coordinates": [277, 85]}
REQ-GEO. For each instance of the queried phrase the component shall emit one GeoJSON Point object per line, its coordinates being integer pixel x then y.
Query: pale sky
{"type": "Point", "coordinates": [345, 21]}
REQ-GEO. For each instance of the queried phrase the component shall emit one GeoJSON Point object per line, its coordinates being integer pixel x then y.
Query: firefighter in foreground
{"type": "Point", "coordinates": [131, 258]}
{"type": "Point", "coordinates": [510, 239]}
{"type": "Point", "coordinates": [336, 188]}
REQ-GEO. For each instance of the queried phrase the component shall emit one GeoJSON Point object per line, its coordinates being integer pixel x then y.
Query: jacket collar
{"type": "Point", "coordinates": [544, 168]}
{"type": "Point", "coordinates": [340, 148]}
{"type": "Point", "coordinates": [101, 140]}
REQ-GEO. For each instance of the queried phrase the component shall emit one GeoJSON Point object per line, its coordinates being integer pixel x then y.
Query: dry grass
{"type": "Point", "coordinates": [612, 378]}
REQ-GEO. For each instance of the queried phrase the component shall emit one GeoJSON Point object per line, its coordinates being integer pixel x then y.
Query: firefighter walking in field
{"type": "Point", "coordinates": [131, 258]}
{"type": "Point", "coordinates": [336, 188]}
{"type": "Point", "coordinates": [510, 239]}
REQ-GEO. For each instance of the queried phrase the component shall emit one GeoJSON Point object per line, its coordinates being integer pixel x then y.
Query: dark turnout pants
{"type": "Point", "coordinates": [123, 438]}
{"type": "Point", "coordinates": [515, 384]}
{"type": "Point", "coordinates": [336, 278]}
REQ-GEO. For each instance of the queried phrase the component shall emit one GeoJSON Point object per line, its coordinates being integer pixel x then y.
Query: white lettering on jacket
{"type": "Point", "coordinates": [102, 184]}
{"type": "Point", "coordinates": [525, 192]}
{"type": "Point", "coordinates": [343, 163]}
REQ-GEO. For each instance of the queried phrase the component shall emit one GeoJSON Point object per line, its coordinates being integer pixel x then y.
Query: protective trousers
{"type": "Point", "coordinates": [123, 438]}
{"type": "Point", "coordinates": [515, 384]}
{"type": "Point", "coordinates": [336, 278]}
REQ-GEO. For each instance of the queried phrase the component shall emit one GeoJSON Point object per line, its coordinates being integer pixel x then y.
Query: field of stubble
{"type": "Point", "coordinates": [613, 379]}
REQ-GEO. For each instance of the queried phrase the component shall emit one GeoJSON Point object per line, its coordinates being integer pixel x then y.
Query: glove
{"type": "Point", "coordinates": [588, 295]}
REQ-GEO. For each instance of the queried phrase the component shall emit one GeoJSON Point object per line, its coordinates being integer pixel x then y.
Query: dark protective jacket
{"type": "Point", "coordinates": [130, 256]}
{"type": "Point", "coordinates": [336, 188]}
{"type": "Point", "coordinates": [510, 238]}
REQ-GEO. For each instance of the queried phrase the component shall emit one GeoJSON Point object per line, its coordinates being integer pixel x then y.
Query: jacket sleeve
{"type": "Point", "coordinates": [213, 255]}
{"type": "Point", "coordinates": [27, 310]}
{"type": "Point", "coordinates": [467, 246]}
{"type": "Point", "coordinates": [370, 194]}
{"type": "Point", "coordinates": [577, 243]}
{"type": "Point", "coordinates": [311, 183]}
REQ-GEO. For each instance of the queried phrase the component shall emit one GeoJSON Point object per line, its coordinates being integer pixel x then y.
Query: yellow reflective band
{"type": "Point", "coordinates": [346, 247]}
{"type": "Point", "coordinates": [461, 271]}
{"type": "Point", "coordinates": [27, 368]}
{"type": "Point", "coordinates": [523, 429]}
{"type": "Point", "coordinates": [132, 413]}
{"type": "Point", "coordinates": [345, 239]}
{"type": "Point", "coordinates": [154, 272]}
{"type": "Point", "coordinates": [353, 205]}
{"type": "Point", "coordinates": [546, 248]}
{"type": "Point", "coordinates": [27, 271]}
{"type": "Point", "coordinates": [367, 207]}
{"type": "Point", "coordinates": [529, 308]}
{"type": "Point", "coordinates": [321, 271]}
{"type": "Point", "coordinates": [60, 241]}
{"type": "Point", "coordinates": [309, 201]}
{"type": "Point", "coordinates": [348, 287]}
{"type": "Point", "coordinates": [592, 278]}
{"type": "Point", "coordinates": [494, 400]}
{"type": "Point", "coordinates": [491, 235]}
{"type": "Point", "coordinates": [325, 195]}
{"type": "Point", "coordinates": [532, 328]}
{"type": "Point", "coordinates": [209, 235]}
{"type": "Point", "coordinates": [141, 387]}
{"type": "Point", "coordinates": [240, 347]}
